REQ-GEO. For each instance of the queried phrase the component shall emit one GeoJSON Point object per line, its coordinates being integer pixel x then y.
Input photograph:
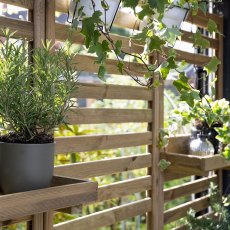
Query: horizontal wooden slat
{"type": "Point", "coordinates": [107, 91]}
{"type": "Point", "coordinates": [191, 58]}
{"type": "Point", "coordinates": [186, 37]}
{"type": "Point", "coordinates": [181, 210]}
{"type": "Point", "coordinates": [174, 175]}
{"type": "Point", "coordinates": [201, 20]}
{"type": "Point", "coordinates": [63, 33]}
{"type": "Point", "coordinates": [28, 4]}
{"type": "Point", "coordinates": [99, 142]}
{"type": "Point", "coordinates": [124, 188]}
{"type": "Point", "coordinates": [87, 63]}
{"type": "Point", "coordinates": [107, 217]}
{"type": "Point", "coordinates": [24, 28]}
{"type": "Point", "coordinates": [188, 188]}
{"type": "Point", "coordinates": [99, 116]}
{"type": "Point", "coordinates": [104, 167]}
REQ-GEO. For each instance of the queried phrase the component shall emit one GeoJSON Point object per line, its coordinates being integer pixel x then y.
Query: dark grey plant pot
{"type": "Point", "coordinates": [25, 167]}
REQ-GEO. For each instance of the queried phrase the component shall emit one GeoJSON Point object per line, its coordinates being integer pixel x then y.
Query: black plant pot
{"type": "Point", "coordinates": [25, 167]}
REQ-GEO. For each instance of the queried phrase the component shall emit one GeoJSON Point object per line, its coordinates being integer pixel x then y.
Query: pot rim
{"type": "Point", "coordinates": [30, 144]}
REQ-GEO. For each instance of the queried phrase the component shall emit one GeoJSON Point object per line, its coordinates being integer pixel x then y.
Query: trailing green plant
{"type": "Point", "coordinates": [35, 96]}
{"type": "Point", "coordinates": [220, 218]}
{"type": "Point", "coordinates": [155, 36]}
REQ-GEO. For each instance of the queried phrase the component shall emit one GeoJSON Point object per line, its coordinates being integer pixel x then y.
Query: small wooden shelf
{"type": "Point", "coordinates": [195, 165]}
{"type": "Point", "coordinates": [181, 162]}
{"type": "Point", "coordinates": [64, 192]}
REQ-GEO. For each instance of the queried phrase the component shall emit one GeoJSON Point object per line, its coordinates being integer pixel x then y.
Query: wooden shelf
{"type": "Point", "coordinates": [64, 192]}
{"type": "Point", "coordinates": [194, 165]}
{"type": "Point", "coordinates": [183, 163]}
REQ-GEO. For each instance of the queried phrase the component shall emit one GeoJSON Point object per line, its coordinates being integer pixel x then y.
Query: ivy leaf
{"type": "Point", "coordinates": [120, 66]}
{"type": "Point", "coordinates": [155, 44]}
{"type": "Point", "coordinates": [141, 36]}
{"type": "Point", "coordinates": [104, 5]}
{"type": "Point", "coordinates": [132, 4]}
{"type": "Point", "coordinates": [164, 164]}
{"type": "Point", "coordinates": [158, 4]}
{"type": "Point", "coordinates": [190, 96]}
{"type": "Point", "coordinates": [212, 26]}
{"type": "Point", "coordinates": [89, 27]}
{"type": "Point", "coordinates": [101, 71]}
{"type": "Point", "coordinates": [204, 7]}
{"type": "Point", "coordinates": [182, 83]}
{"type": "Point", "coordinates": [171, 34]}
{"type": "Point", "coordinates": [146, 11]}
{"type": "Point", "coordinates": [118, 45]}
{"type": "Point", "coordinates": [198, 40]}
{"type": "Point", "coordinates": [212, 66]}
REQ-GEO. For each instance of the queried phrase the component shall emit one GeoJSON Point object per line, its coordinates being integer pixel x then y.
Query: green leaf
{"type": "Point", "coordinates": [104, 5]}
{"type": "Point", "coordinates": [212, 66]}
{"type": "Point", "coordinates": [182, 83]}
{"type": "Point", "coordinates": [101, 71]}
{"type": "Point", "coordinates": [155, 44]}
{"type": "Point", "coordinates": [212, 26]}
{"type": "Point", "coordinates": [190, 96]}
{"type": "Point", "coordinates": [198, 40]}
{"type": "Point", "coordinates": [120, 66]}
{"type": "Point", "coordinates": [118, 45]}
{"type": "Point", "coordinates": [146, 11]}
{"type": "Point", "coordinates": [164, 164]}
{"type": "Point", "coordinates": [204, 7]}
{"type": "Point", "coordinates": [132, 4]}
{"type": "Point", "coordinates": [171, 35]}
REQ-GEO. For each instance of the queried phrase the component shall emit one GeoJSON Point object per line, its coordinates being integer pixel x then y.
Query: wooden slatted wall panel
{"type": "Point", "coordinates": [43, 26]}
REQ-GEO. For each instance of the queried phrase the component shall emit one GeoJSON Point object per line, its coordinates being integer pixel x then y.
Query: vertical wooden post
{"type": "Point", "coordinates": [37, 222]}
{"type": "Point", "coordinates": [155, 219]}
{"type": "Point", "coordinates": [39, 22]}
{"type": "Point", "coordinates": [48, 220]}
{"type": "Point", "coordinates": [50, 20]}
{"type": "Point", "coordinates": [220, 55]}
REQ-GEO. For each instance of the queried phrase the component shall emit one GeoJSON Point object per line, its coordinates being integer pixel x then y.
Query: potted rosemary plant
{"type": "Point", "coordinates": [34, 99]}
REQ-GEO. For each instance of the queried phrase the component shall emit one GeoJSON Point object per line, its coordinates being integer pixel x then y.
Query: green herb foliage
{"type": "Point", "coordinates": [34, 97]}
{"type": "Point", "coordinates": [220, 219]}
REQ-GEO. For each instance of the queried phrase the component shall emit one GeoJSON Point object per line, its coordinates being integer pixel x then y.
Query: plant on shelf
{"type": "Point", "coordinates": [220, 217]}
{"type": "Point", "coordinates": [35, 95]}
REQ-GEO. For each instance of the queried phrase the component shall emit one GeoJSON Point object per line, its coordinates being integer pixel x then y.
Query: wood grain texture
{"type": "Point", "coordinates": [124, 188]}
{"type": "Point", "coordinates": [187, 37]}
{"type": "Point", "coordinates": [155, 217]}
{"type": "Point", "coordinates": [220, 55]}
{"type": "Point", "coordinates": [50, 20]}
{"type": "Point", "coordinates": [107, 217]}
{"type": "Point", "coordinates": [18, 205]}
{"type": "Point", "coordinates": [38, 222]}
{"type": "Point", "coordinates": [24, 29]}
{"type": "Point", "coordinates": [101, 116]}
{"type": "Point", "coordinates": [99, 142]}
{"type": "Point", "coordinates": [178, 144]}
{"type": "Point", "coordinates": [188, 188]}
{"type": "Point", "coordinates": [104, 167]}
{"type": "Point", "coordinates": [109, 91]}
{"type": "Point", "coordinates": [39, 22]}
{"type": "Point", "coordinates": [87, 63]}
{"type": "Point", "coordinates": [192, 58]}
{"type": "Point", "coordinates": [181, 210]}
{"type": "Point", "coordinates": [187, 164]}
{"type": "Point", "coordinates": [28, 4]}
